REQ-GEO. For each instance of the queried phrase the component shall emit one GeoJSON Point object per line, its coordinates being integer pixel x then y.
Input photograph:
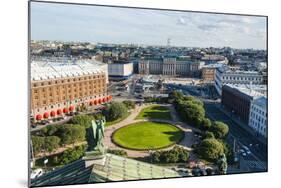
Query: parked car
{"type": "Point", "coordinates": [36, 173]}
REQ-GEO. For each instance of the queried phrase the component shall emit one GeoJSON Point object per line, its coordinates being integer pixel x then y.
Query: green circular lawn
{"type": "Point", "coordinates": [147, 136]}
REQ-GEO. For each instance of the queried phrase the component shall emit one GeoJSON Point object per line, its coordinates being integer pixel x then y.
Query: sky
{"type": "Point", "coordinates": [66, 22]}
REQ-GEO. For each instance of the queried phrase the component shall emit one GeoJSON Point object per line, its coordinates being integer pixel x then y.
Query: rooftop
{"type": "Point", "coordinates": [115, 168]}
{"type": "Point", "coordinates": [50, 69]}
{"type": "Point", "coordinates": [251, 90]}
{"type": "Point", "coordinates": [261, 101]}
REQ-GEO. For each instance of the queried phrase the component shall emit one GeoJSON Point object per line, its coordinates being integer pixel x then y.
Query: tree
{"type": "Point", "coordinates": [71, 155]}
{"type": "Point", "coordinates": [220, 129]}
{"type": "Point", "coordinates": [177, 154]}
{"type": "Point", "coordinates": [206, 124]}
{"type": "Point", "coordinates": [98, 116]}
{"type": "Point", "coordinates": [129, 104]}
{"type": "Point", "coordinates": [210, 149]}
{"type": "Point", "coordinates": [176, 95]}
{"type": "Point", "coordinates": [71, 133]}
{"type": "Point", "coordinates": [78, 133]}
{"type": "Point", "coordinates": [191, 112]}
{"type": "Point", "coordinates": [84, 120]}
{"type": "Point", "coordinates": [52, 143]}
{"type": "Point", "coordinates": [37, 143]}
{"type": "Point", "coordinates": [209, 134]}
{"type": "Point", "coordinates": [115, 111]}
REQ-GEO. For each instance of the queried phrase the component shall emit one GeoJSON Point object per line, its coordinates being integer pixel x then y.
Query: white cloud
{"type": "Point", "coordinates": [123, 25]}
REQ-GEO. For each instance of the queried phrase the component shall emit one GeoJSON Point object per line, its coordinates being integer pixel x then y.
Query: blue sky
{"type": "Point", "coordinates": [151, 27]}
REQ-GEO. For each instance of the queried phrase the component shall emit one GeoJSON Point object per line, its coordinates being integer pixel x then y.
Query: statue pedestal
{"type": "Point", "coordinates": [94, 157]}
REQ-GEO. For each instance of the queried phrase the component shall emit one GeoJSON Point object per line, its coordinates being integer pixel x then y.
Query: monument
{"type": "Point", "coordinates": [222, 164]}
{"type": "Point", "coordinates": [96, 149]}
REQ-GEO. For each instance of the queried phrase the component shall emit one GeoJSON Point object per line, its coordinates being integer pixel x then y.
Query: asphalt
{"type": "Point", "coordinates": [242, 136]}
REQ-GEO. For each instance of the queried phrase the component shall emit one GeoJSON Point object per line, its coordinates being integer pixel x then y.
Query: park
{"type": "Point", "coordinates": [147, 135]}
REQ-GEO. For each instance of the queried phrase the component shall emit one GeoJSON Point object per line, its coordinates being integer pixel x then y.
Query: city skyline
{"type": "Point", "coordinates": [99, 24]}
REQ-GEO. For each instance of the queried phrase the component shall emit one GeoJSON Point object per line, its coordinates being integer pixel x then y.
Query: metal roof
{"type": "Point", "coordinates": [45, 70]}
{"type": "Point", "coordinates": [115, 168]}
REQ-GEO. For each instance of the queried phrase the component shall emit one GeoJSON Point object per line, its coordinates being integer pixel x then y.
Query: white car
{"type": "Point", "coordinates": [244, 154]}
{"type": "Point", "coordinates": [36, 173]}
{"type": "Point", "coordinates": [241, 151]}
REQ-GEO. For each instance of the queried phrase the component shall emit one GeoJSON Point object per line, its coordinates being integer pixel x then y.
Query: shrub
{"type": "Point", "coordinates": [177, 154]}
{"type": "Point", "coordinates": [118, 152]}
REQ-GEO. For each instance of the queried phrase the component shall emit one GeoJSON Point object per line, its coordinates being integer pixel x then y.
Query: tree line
{"type": "Point", "coordinates": [191, 111]}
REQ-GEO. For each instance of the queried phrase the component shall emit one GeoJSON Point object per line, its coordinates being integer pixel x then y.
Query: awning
{"type": "Point", "coordinates": [65, 110]}
{"type": "Point", "coordinates": [53, 113]}
{"type": "Point", "coordinates": [38, 117]}
{"type": "Point", "coordinates": [46, 115]}
{"type": "Point", "coordinates": [95, 102]}
{"type": "Point", "coordinates": [71, 108]}
{"type": "Point", "coordinates": [59, 111]}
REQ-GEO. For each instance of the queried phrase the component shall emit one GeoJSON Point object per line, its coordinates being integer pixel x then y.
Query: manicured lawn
{"type": "Point", "coordinates": [109, 123]}
{"type": "Point", "coordinates": [155, 112]}
{"type": "Point", "coordinates": [147, 135]}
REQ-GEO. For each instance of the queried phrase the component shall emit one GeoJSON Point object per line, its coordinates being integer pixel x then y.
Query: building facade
{"type": "Point", "coordinates": [258, 116]}
{"type": "Point", "coordinates": [238, 99]}
{"type": "Point", "coordinates": [226, 76]}
{"type": "Point", "coordinates": [58, 88]}
{"type": "Point", "coordinates": [120, 70]}
{"type": "Point", "coordinates": [170, 66]}
{"type": "Point", "coordinates": [236, 102]}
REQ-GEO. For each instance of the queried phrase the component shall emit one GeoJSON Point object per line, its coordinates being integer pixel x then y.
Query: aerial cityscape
{"type": "Point", "coordinates": [120, 94]}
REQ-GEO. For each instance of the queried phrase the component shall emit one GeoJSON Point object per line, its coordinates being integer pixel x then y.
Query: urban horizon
{"type": "Point", "coordinates": [149, 27]}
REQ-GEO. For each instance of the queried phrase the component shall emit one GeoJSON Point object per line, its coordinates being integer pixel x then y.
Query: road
{"type": "Point", "coordinates": [242, 137]}
{"type": "Point", "coordinates": [258, 156]}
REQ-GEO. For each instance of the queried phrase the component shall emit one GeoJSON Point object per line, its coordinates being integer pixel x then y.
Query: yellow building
{"type": "Point", "coordinates": [58, 88]}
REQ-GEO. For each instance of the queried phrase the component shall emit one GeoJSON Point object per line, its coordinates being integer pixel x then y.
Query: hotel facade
{"type": "Point", "coordinates": [58, 88]}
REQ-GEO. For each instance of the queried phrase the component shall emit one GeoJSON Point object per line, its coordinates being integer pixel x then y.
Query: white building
{"type": "Point", "coordinates": [224, 75]}
{"type": "Point", "coordinates": [120, 70]}
{"type": "Point", "coordinates": [258, 116]}
{"type": "Point", "coordinates": [170, 66]}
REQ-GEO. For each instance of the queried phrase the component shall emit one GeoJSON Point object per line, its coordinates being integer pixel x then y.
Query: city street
{"type": "Point", "coordinates": [241, 136]}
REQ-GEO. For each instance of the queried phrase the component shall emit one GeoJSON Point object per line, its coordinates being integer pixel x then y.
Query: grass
{"type": "Point", "coordinates": [147, 136]}
{"type": "Point", "coordinates": [109, 123]}
{"type": "Point", "coordinates": [155, 112]}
